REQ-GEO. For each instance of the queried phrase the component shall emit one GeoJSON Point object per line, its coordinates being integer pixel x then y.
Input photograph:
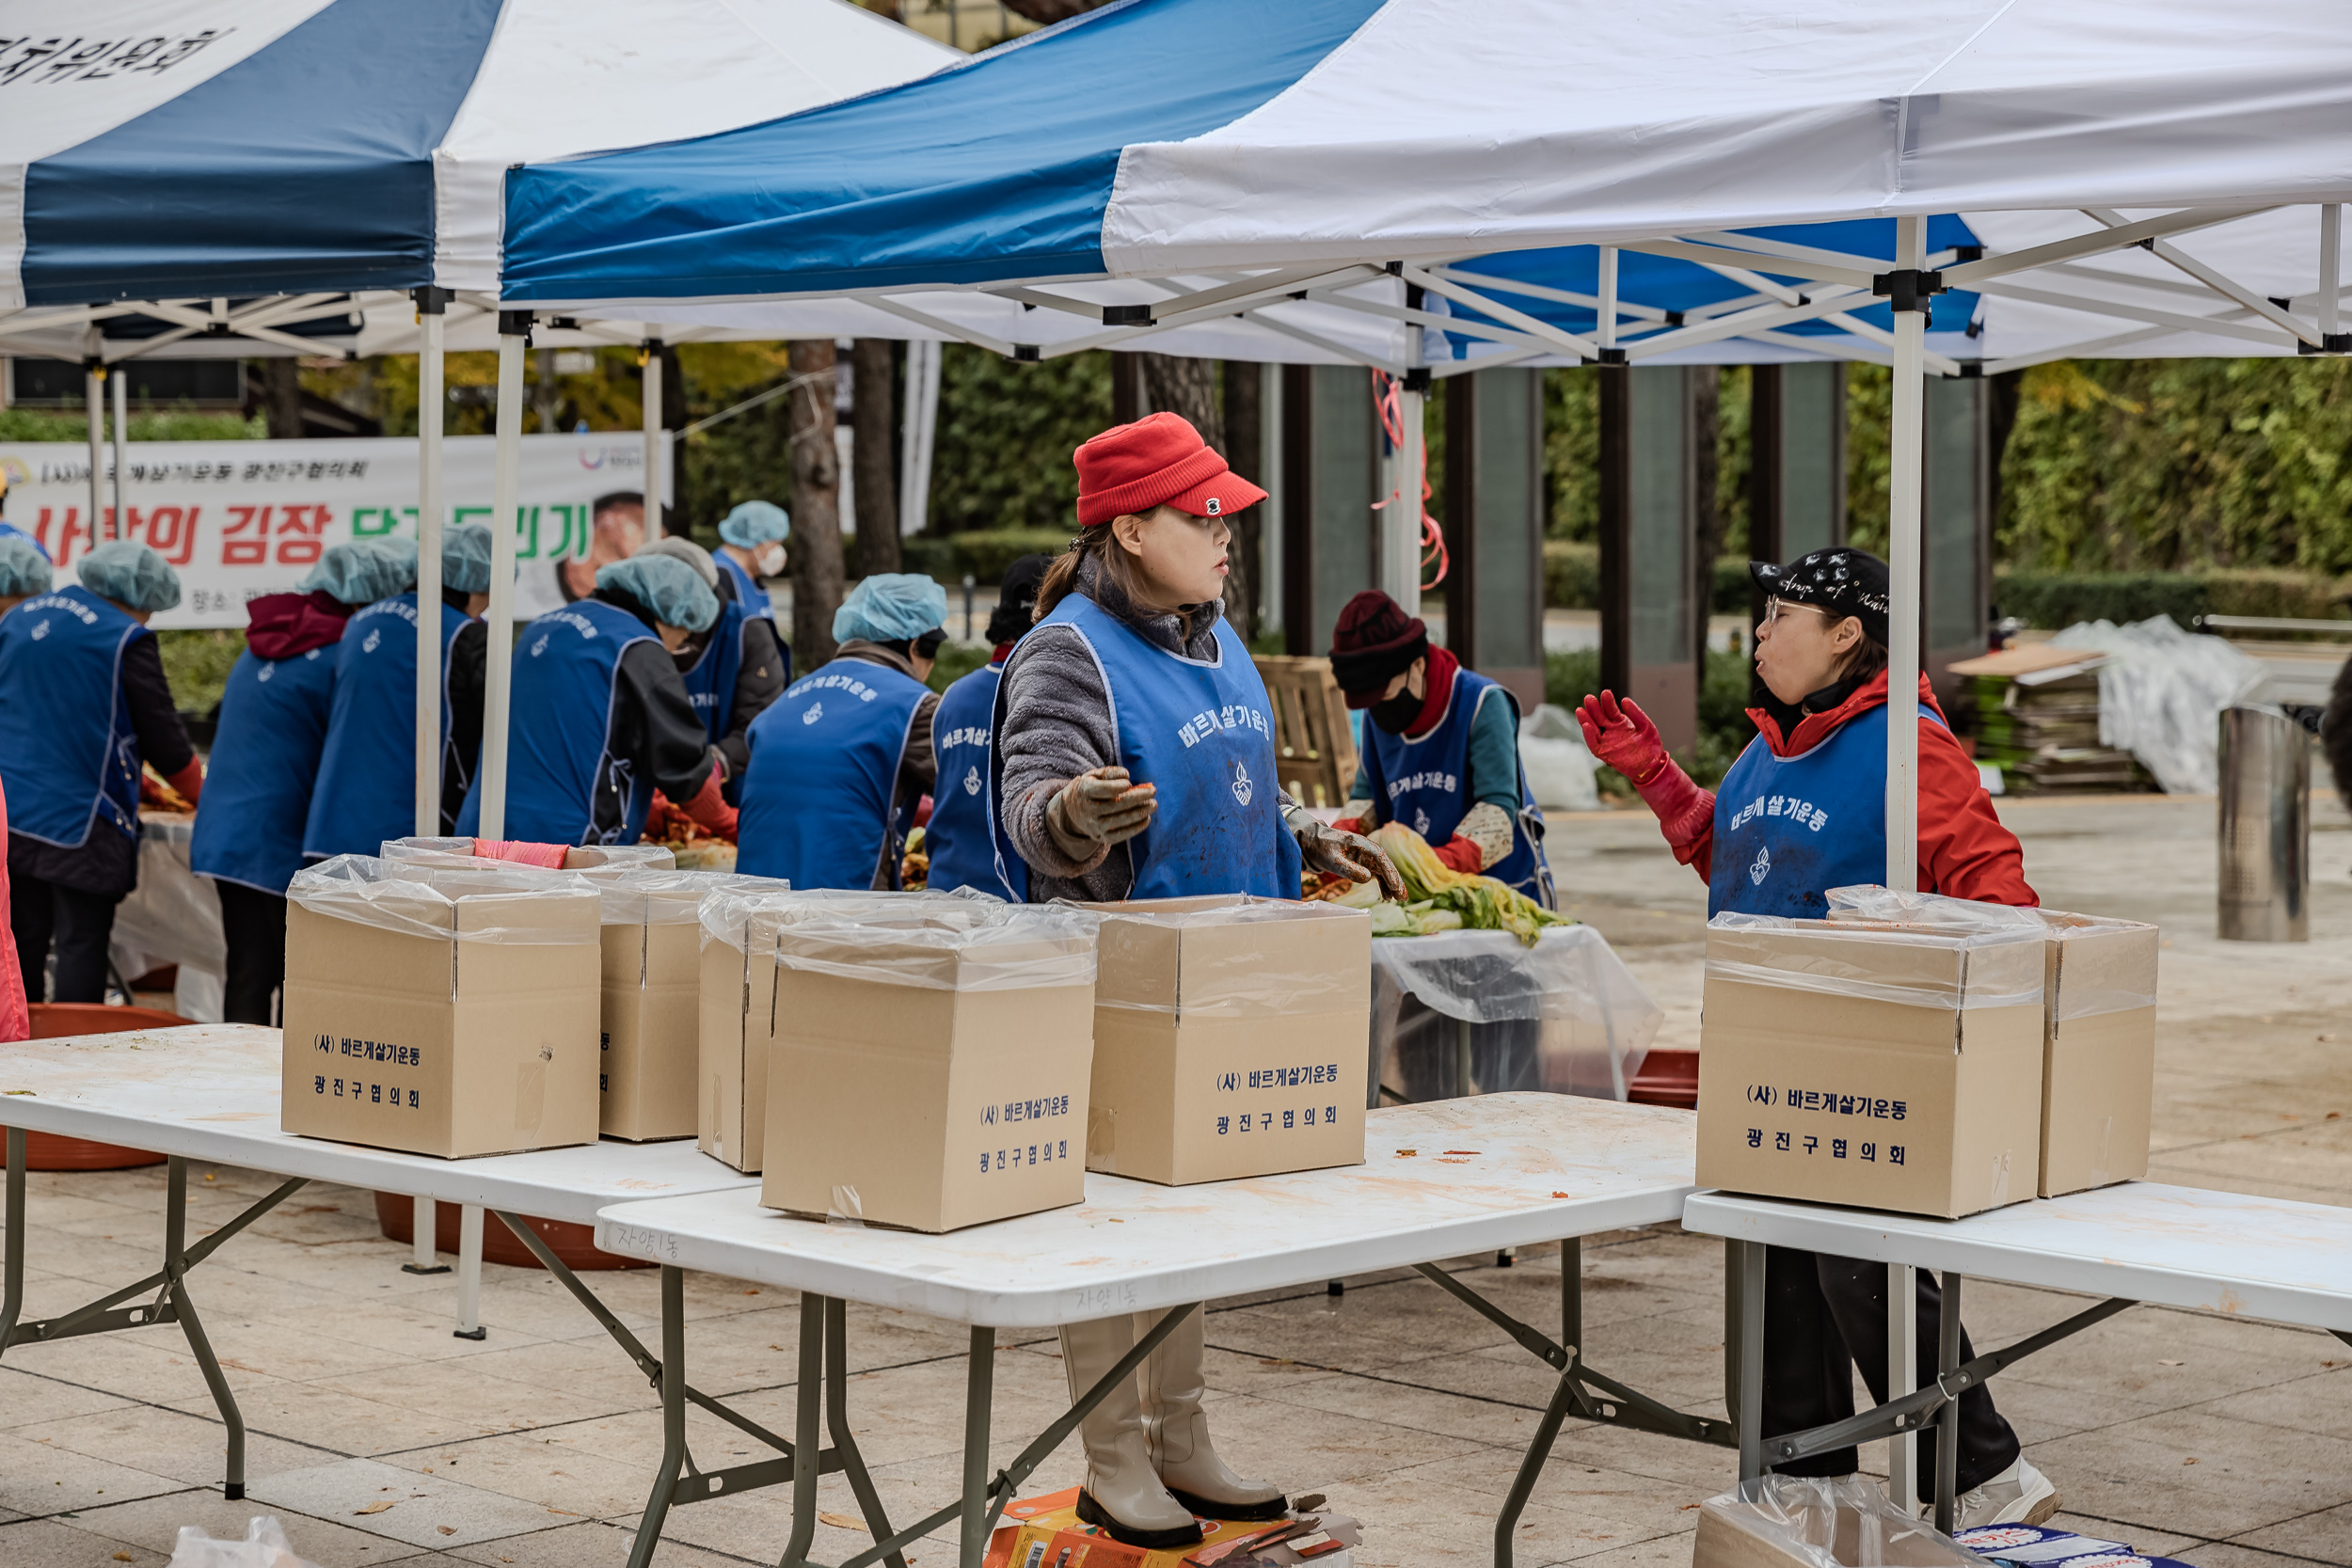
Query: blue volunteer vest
{"type": "Point", "coordinates": [748, 592]}
{"type": "Point", "coordinates": [1423, 784]}
{"type": "Point", "coordinates": [9, 530]}
{"type": "Point", "coordinates": [68, 758]}
{"type": "Point", "coordinates": [367, 781]}
{"type": "Point", "coordinates": [1789, 828]}
{"type": "Point", "coordinates": [265, 759]}
{"type": "Point", "coordinates": [824, 767]}
{"type": "Point", "coordinates": [712, 682]}
{"type": "Point", "coordinates": [560, 758]}
{"type": "Point", "coordinates": [961, 843]}
{"type": "Point", "coordinates": [1202, 732]}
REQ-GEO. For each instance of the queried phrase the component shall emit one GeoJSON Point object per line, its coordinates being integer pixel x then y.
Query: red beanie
{"type": "Point", "coordinates": [1160, 460]}
{"type": "Point", "coordinates": [1373, 642]}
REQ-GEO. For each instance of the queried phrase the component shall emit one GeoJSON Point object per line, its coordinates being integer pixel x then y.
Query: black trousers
{"type": "Point", "coordinates": [79, 923]}
{"type": "Point", "coordinates": [1823, 1317]}
{"type": "Point", "coordinates": [254, 922]}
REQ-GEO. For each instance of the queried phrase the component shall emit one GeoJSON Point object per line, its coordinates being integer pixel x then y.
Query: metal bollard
{"type": "Point", "coordinates": [2265, 826]}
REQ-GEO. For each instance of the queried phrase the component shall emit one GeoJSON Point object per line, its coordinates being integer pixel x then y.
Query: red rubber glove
{"type": "Point", "coordinates": [189, 780]}
{"type": "Point", "coordinates": [1349, 824]}
{"type": "Point", "coordinates": [711, 810]}
{"type": "Point", "coordinates": [1624, 738]}
{"type": "Point", "coordinates": [1462, 854]}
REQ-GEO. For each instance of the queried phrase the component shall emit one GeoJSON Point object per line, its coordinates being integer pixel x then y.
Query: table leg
{"type": "Point", "coordinates": [469, 1274]}
{"type": "Point", "coordinates": [422, 1259]}
{"type": "Point", "coordinates": [805, 1464]}
{"type": "Point", "coordinates": [979, 1390]}
{"type": "Point", "coordinates": [1947, 1418]}
{"type": "Point", "coordinates": [837, 1426]}
{"type": "Point", "coordinates": [1903, 1377]}
{"type": "Point", "coordinates": [1546, 1436]}
{"type": "Point", "coordinates": [672, 1417]}
{"type": "Point", "coordinates": [12, 1270]}
{"type": "Point", "coordinates": [175, 1269]}
{"type": "Point", "coordinates": [1745, 1265]}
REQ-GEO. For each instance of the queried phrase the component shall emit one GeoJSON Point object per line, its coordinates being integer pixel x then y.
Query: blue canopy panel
{"type": "Point", "coordinates": [1667, 283]}
{"type": "Point", "coordinates": [994, 171]}
{"type": "Point", "coordinates": [307, 166]}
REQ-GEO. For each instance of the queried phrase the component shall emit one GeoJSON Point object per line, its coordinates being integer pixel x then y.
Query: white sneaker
{"type": "Point", "coordinates": [2019, 1495]}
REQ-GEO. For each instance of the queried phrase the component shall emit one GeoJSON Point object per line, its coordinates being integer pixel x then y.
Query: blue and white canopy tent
{"type": "Point", "coordinates": [238, 175]}
{"type": "Point", "coordinates": [2105, 176]}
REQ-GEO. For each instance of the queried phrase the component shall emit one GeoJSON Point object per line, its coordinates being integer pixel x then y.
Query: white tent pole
{"type": "Point", "coordinates": [1906, 442]}
{"type": "Point", "coordinates": [921, 428]}
{"type": "Point", "coordinates": [1609, 296]}
{"type": "Point", "coordinates": [2330, 278]}
{"type": "Point", "coordinates": [1400, 524]}
{"type": "Point", "coordinates": [94, 405]}
{"type": "Point", "coordinates": [513, 329]}
{"type": "Point", "coordinates": [649, 356]}
{"type": "Point", "coordinates": [123, 418]}
{"type": "Point", "coordinates": [432, 406]}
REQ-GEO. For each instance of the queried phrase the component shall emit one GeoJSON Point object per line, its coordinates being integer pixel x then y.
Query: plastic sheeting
{"type": "Point", "coordinates": [1869, 974]}
{"type": "Point", "coordinates": [1559, 769]}
{"type": "Point", "coordinates": [1225, 979]}
{"type": "Point", "coordinates": [943, 941]}
{"type": "Point", "coordinates": [265, 1546]}
{"type": "Point", "coordinates": [1825, 1521]}
{"type": "Point", "coordinates": [2076, 1000]}
{"type": "Point", "coordinates": [422, 900]}
{"type": "Point", "coordinates": [2161, 693]}
{"type": "Point", "coordinates": [1565, 1015]}
{"type": "Point", "coordinates": [172, 917]}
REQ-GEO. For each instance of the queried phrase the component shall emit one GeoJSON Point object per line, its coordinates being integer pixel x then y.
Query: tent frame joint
{"type": "Point", "coordinates": [1910, 289]}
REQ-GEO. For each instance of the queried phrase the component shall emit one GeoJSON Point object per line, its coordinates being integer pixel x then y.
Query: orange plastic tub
{"type": "Point", "coordinates": [574, 1245]}
{"type": "Point", "coordinates": [1667, 1078]}
{"type": "Point", "coordinates": [56, 1019]}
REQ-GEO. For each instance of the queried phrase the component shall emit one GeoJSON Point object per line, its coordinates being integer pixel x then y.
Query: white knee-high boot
{"type": "Point", "coordinates": [1177, 1430]}
{"type": "Point", "coordinates": [1123, 1493]}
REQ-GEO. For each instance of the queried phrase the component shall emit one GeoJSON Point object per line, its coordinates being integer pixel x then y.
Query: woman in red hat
{"type": "Point", "coordinates": [1134, 758]}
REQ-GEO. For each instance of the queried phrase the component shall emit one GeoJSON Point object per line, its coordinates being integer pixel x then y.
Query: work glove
{"type": "Point", "coordinates": [711, 809]}
{"type": "Point", "coordinates": [1349, 855]}
{"type": "Point", "coordinates": [1623, 736]}
{"type": "Point", "coordinates": [1101, 806]}
{"type": "Point", "coordinates": [1461, 854]}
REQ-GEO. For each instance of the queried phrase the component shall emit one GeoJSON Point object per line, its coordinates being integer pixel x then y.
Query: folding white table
{"type": "Point", "coordinates": [2138, 1241]}
{"type": "Point", "coordinates": [1441, 1179]}
{"type": "Point", "coordinates": [210, 1093]}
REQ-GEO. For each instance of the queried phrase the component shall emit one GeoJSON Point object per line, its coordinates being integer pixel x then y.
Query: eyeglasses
{"type": "Point", "coordinates": [1773, 607]}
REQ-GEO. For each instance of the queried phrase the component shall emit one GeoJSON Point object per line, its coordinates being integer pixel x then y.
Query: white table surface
{"type": "Point", "coordinates": [2176, 1247]}
{"type": "Point", "coordinates": [1530, 1167]}
{"type": "Point", "coordinates": [211, 1091]}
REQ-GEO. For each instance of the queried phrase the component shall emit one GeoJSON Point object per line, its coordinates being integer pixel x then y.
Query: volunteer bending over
{"type": "Point", "coordinates": [1803, 809]}
{"type": "Point", "coordinates": [1134, 758]}
{"type": "Point", "coordinates": [750, 546]}
{"type": "Point", "coordinates": [961, 843]}
{"type": "Point", "coordinates": [842, 759]}
{"type": "Point", "coordinates": [82, 705]}
{"type": "Point", "coordinates": [366, 777]}
{"type": "Point", "coordinates": [733, 668]}
{"type": "Point", "coordinates": [601, 719]}
{"type": "Point", "coordinates": [266, 760]}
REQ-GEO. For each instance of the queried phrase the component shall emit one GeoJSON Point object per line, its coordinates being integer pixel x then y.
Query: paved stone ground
{"type": "Point", "coordinates": [2225, 1443]}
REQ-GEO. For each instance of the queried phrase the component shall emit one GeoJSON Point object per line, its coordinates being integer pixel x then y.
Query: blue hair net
{"type": "Point", "coordinates": [358, 572]}
{"type": "Point", "coordinates": [756, 523]}
{"type": "Point", "coordinates": [665, 585]}
{"type": "Point", "coordinates": [890, 607]}
{"type": "Point", "coordinates": [402, 551]}
{"type": "Point", "coordinates": [24, 570]}
{"type": "Point", "coordinates": [465, 558]}
{"type": "Point", "coordinates": [131, 573]}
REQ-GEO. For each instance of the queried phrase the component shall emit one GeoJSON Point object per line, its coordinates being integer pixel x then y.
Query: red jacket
{"type": "Point", "coordinates": [1964, 851]}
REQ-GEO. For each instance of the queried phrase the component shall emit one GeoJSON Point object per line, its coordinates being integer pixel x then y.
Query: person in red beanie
{"type": "Point", "coordinates": [1134, 757]}
{"type": "Point", "coordinates": [1441, 754]}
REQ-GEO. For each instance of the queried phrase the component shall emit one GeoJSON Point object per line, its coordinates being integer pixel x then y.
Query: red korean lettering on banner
{"type": "Point", "coordinates": [252, 551]}
{"type": "Point", "coordinates": [170, 531]}
{"type": "Point", "coordinates": [68, 530]}
{"type": "Point", "coordinates": [298, 535]}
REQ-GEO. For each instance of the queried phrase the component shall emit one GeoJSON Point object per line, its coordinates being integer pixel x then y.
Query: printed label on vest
{"type": "Point", "coordinates": [850, 683]}
{"type": "Point", "coordinates": [1241, 784]}
{"type": "Point", "coordinates": [972, 781]}
{"type": "Point", "coordinates": [1761, 868]}
{"type": "Point", "coordinates": [1803, 812]}
{"type": "Point", "coordinates": [1216, 720]}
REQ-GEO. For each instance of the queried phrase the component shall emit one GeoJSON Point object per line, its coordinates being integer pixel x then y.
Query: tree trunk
{"type": "Point", "coordinates": [1706, 422]}
{"type": "Point", "coordinates": [816, 548]}
{"type": "Point", "coordinates": [1189, 388]}
{"type": "Point", "coordinates": [1245, 449]}
{"type": "Point", "coordinates": [874, 390]}
{"type": "Point", "coordinates": [281, 398]}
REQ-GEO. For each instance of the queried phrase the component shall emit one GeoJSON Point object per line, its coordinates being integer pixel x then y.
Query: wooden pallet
{"type": "Point", "coordinates": [1314, 749]}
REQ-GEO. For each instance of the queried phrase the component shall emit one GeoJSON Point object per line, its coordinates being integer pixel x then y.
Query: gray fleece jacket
{"type": "Point", "coordinates": [1058, 724]}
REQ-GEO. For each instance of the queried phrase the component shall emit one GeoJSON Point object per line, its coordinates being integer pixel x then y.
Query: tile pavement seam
{"type": "Point", "coordinates": [76, 1513]}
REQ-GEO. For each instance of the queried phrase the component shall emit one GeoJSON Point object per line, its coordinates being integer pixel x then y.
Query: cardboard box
{"type": "Point", "coordinates": [735, 1021]}
{"type": "Point", "coordinates": [1228, 1038]}
{"type": "Point", "coordinates": [1046, 1532]}
{"type": "Point", "coordinates": [1881, 1067]}
{"type": "Point", "coordinates": [650, 1006]}
{"type": "Point", "coordinates": [927, 1067]}
{"type": "Point", "coordinates": [440, 1011]}
{"type": "Point", "coordinates": [1803, 1522]}
{"type": "Point", "coordinates": [2099, 1053]}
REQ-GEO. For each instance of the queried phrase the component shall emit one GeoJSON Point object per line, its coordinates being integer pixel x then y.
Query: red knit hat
{"type": "Point", "coordinates": [1160, 460]}
{"type": "Point", "coordinates": [1373, 642]}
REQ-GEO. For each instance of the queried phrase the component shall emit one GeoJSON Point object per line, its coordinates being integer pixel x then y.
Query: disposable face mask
{"type": "Point", "coordinates": [770, 559]}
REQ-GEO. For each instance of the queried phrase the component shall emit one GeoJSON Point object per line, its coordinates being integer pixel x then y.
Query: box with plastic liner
{"type": "Point", "coordinates": [1779, 1521]}
{"type": "Point", "coordinates": [1878, 1066]}
{"type": "Point", "coordinates": [2099, 1027]}
{"type": "Point", "coordinates": [927, 1066]}
{"type": "Point", "coordinates": [1228, 1037]}
{"type": "Point", "coordinates": [546, 857]}
{"type": "Point", "coordinates": [446, 1010]}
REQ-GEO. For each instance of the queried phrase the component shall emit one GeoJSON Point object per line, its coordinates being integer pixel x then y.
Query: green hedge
{"type": "Point", "coordinates": [2053, 600]}
{"type": "Point", "coordinates": [1572, 578]}
{"type": "Point", "coordinates": [983, 552]}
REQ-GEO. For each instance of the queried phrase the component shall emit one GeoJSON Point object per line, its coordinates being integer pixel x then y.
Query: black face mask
{"type": "Point", "coordinates": [1396, 713]}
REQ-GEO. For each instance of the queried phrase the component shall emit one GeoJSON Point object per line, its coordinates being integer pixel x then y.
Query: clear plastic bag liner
{"type": "Point", "coordinates": [1825, 1522]}
{"type": "Point", "coordinates": [444, 851]}
{"type": "Point", "coordinates": [265, 1546]}
{"type": "Point", "coordinates": [508, 906]}
{"type": "Point", "coordinates": [939, 941]}
{"type": "Point", "coordinates": [1233, 980]}
{"type": "Point", "coordinates": [726, 911]}
{"type": "Point", "coordinates": [1954, 987]}
{"type": "Point", "coordinates": [644, 897]}
{"type": "Point", "coordinates": [2075, 999]}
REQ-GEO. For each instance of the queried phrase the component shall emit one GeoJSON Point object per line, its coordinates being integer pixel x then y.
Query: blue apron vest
{"type": "Point", "coordinates": [712, 682]}
{"type": "Point", "coordinates": [68, 758]}
{"type": "Point", "coordinates": [817, 795]}
{"type": "Point", "coordinates": [748, 592]}
{"type": "Point", "coordinates": [9, 530]}
{"type": "Point", "coordinates": [1789, 828]}
{"type": "Point", "coordinates": [265, 759]}
{"type": "Point", "coordinates": [1202, 732]}
{"type": "Point", "coordinates": [560, 759]}
{"type": "Point", "coordinates": [367, 788]}
{"type": "Point", "coordinates": [1423, 784]}
{"type": "Point", "coordinates": [962, 844]}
